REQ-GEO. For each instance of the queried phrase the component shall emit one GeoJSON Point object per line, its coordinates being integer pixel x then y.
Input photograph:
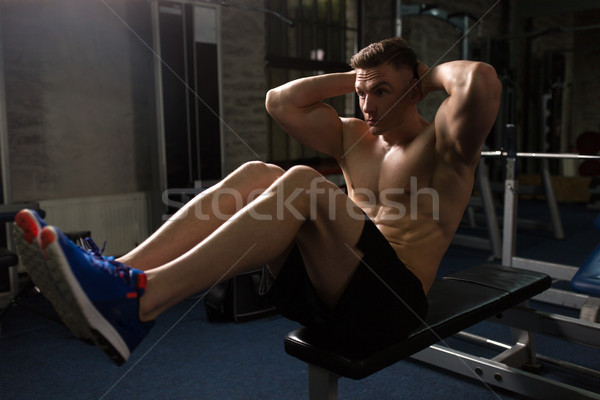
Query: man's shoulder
{"type": "Point", "coordinates": [354, 129]}
{"type": "Point", "coordinates": [353, 124]}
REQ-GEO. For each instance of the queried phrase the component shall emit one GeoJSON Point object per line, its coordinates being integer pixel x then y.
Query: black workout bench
{"type": "Point", "coordinates": [455, 303]}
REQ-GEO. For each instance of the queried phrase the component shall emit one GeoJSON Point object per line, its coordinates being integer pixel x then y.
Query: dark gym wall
{"type": "Point", "coordinates": [79, 93]}
{"type": "Point", "coordinates": [434, 40]}
{"type": "Point", "coordinates": [81, 102]}
{"type": "Point", "coordinates": [80, 85]}
{"type": "Point", "coordinates": [503, 39]}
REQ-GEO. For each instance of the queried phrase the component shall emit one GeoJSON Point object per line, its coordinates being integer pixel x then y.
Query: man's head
{"type": "Point", "coordinates": [386, 83]}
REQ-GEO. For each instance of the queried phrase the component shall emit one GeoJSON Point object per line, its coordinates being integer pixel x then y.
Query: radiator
{"type": "Point", "coordinates": [120, 220]}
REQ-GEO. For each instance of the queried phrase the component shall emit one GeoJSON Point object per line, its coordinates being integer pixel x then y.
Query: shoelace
{"type": "Point", "coordinates": [108, 263]}
{"type": "Point", "coordinates": [93, 249]}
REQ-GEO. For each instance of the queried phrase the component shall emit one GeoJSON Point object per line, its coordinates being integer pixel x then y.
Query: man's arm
{"type": "Point", "coordinates": [298, 108]}
{"type": "Point", "coordinates": [465, 118]}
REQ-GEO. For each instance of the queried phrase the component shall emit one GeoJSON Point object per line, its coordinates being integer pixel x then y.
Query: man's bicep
{"type": "Point", "coordinates": [318, 127]}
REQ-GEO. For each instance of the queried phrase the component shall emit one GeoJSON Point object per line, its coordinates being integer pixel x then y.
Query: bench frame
{"type": "Point", "coordinates": [504, 370]}
{"type": "Point", "coordinates": [510, 370]}
{"type": "Point", "coordinates": [514, 369]}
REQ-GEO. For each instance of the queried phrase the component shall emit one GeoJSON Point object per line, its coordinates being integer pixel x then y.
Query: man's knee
{"type": "Point", "coordinates": [312, 192]}
{"type": "Point", "coordinates": [261, 171]}
{"type": "Point", "coordinates": [301, 176]}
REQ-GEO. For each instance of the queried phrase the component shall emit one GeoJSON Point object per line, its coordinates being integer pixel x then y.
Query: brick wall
{"type": "Point", "coordinates": [244, 85]}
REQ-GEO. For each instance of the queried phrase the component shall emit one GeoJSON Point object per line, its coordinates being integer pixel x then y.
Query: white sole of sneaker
{"type": "Point", "coordinates": [26, 233]}
{"type": "Point", "coordinates": [84, 314]}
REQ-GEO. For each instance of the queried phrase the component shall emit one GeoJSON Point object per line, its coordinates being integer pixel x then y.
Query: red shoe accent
{"type": "Point", "coordinates": [47, 238]}
{"type": "Point", "coordinates": [28, 225]}
{"type": "Point", "coordinates": [142, 281]}
{"type": "Point", "coordinates": [132, 295]}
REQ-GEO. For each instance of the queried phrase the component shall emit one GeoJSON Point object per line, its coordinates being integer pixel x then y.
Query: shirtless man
{"type": "Point", "coordinates": [330, 266]}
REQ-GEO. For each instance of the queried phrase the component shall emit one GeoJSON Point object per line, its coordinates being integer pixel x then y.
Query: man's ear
{"type": "Point", "coordinates": [415, 91]}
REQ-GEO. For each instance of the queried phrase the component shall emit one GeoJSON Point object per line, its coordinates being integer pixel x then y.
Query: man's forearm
{"type": "Point", "coordinates": [304, 92]}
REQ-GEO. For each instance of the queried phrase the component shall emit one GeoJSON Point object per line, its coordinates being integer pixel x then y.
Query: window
{"type": "Point", "coordinates": [322, 40]}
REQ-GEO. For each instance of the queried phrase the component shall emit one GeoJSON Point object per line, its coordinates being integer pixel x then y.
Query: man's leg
{"type": "Point", "coordinates": [111, 300]}
{"type": "Point", "coordinates": [203, 215]}
{"type": "Point", "coordinates": [301, 206]}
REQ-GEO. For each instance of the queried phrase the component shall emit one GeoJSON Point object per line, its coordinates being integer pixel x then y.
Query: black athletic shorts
{"type": "Point", "coordinates": [384, 301]}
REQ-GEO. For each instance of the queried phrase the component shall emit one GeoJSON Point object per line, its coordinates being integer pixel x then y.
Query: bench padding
{"type": "Point", "coordinates": [455, 303]}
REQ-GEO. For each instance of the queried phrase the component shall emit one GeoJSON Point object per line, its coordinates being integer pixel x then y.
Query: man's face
{"type": "Point", "coordinates": [384, 95]}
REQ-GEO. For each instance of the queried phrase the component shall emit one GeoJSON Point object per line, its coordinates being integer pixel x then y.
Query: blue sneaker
{"type": "Point", "coordinates": [27, 228]}
{"type": "Point", "coordinates": [103, 295]}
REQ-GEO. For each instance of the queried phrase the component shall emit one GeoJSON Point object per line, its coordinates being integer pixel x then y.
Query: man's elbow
{"type": "Point", "coordinates": [277, 103]}
{"type": "Point", "coordinates": [487, 79]}
{"type": "Point", "coordinates": [271, 101]}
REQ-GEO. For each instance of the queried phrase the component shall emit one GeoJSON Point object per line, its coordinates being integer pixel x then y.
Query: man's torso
{"type": "Point", "coordinates": [413, 193]}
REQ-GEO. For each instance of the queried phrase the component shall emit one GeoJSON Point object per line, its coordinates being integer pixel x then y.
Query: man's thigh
{"type": "Point", "coordinates": [382, 299]}
{"type": "Point", "coordinates": [327, 241]}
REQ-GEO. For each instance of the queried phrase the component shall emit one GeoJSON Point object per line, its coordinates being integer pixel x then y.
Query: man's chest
{"type": "Point", "coordinates": [395, 172]}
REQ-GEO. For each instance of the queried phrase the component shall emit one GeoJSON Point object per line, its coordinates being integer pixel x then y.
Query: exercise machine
{"type": "Point", "coordinates": [584, 279]}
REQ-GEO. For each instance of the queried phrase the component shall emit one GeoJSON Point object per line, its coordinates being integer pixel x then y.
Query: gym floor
{"type": "Point", "coordinates": [186, 357]}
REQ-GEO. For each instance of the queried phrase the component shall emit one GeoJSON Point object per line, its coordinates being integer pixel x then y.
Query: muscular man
{"type": "Point", "coordinates": [357, 265]}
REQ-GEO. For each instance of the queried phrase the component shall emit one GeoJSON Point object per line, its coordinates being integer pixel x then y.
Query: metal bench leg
{"type": "Point", "coordinates": [551, 201]}
{"type": "Point", "coordinates": [590, 311]}
{"type": "Point", "coordinates": [322, 384]}
{"type": "Point", "coordinates": [489, 208]}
